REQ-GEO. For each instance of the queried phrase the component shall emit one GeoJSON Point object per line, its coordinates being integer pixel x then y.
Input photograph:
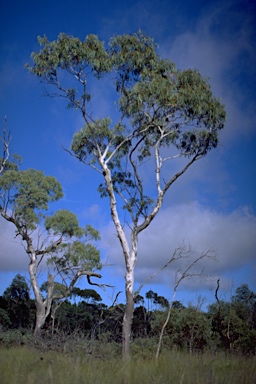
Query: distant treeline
{"type": "Point", "coordinates": [225, 325]}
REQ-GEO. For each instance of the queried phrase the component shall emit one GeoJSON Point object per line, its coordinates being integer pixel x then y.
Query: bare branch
{"type": "Point", "coordinates": [161, 194]}
{"type": "Point", "coordinates": [216, 292]}
{"type": "Point", "coordinates": [176, 255]}
{"type": "Point", "coordinates": [6, 139]}
{"type": "Point", "coordinates": [98, 285]}
{"type": "Point", "coordinates": [184, 275]}
{"type": "Point", "coordinates": [82, 161]}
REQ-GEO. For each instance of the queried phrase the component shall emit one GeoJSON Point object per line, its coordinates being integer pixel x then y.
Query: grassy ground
{"type": "Point", "coordinates": [20, 365]}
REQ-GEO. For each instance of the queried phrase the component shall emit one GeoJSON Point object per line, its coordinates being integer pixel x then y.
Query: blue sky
{"type": "Point", "coordinates": [213, 205]}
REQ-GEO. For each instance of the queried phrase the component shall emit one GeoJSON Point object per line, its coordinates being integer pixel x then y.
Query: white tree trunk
{"type": "Point", "coordinates": [130, 257]}
{"type": "Point", "coordinates": [42, 307]}
{"type": "Point", "coordinates": [129, 308]}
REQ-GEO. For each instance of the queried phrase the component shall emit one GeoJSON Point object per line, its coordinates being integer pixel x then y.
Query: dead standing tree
{"type": "Point", "coordinates": [187, 272]}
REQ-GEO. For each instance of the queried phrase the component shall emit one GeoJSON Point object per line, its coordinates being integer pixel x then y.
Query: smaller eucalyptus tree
{"type": "Point", "coordinates": [56, 241]}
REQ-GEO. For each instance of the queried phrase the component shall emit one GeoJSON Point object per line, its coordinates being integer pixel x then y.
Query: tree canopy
{"type": "Point", "coordinates": [159, 107]}
{"type": "Point", "coordinates": [29, 192]}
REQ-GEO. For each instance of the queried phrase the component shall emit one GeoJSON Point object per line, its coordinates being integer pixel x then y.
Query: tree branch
{"type": "Point", "coordinates": [173, 258]}
{"type": "Point", "coordinates": [6, 139]}
{"type": "Point", "coordinates": [184, 275]}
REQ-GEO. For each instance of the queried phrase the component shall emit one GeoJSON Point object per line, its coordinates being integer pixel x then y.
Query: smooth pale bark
{"type": "Point", "coordinates": [130, 261]}
{"type": "Point", "coordinates": [129, 308]}
{"type": "Point", "coordinates": [127, 320]}
{"type": "Point", "coordinates": [43, 307]}
{"type": "Point", "coordinates": [130, 254]}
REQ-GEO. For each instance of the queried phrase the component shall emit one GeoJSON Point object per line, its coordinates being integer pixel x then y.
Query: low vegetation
{"type": "Point", "coordinates": [20, 365]}
{"type": "Point", "coordinates": [83, 342]}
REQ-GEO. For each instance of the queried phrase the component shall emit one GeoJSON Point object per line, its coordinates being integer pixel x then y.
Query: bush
{"type": "Point", "coordinates": [16, 337]}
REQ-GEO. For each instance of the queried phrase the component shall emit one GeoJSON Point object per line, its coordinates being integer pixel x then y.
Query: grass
{"type": "Point", "coordinates": [23, 365]}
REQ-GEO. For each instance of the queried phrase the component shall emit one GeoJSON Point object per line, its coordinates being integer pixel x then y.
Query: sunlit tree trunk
{"type": "Point", "coordinates": [130, 256]}
{"type": "Point", "coordinates": [43, 307]}
{"type": "Point", "coordinates": [128, 316]}
{"type": "Point", "coordinates": [129, 308]}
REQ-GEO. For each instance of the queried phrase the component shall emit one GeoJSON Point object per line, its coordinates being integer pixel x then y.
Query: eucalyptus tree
{"type": "Point", "coordinates": [54, 240]}
{"type": "Point", "coordinates": [161, 114]}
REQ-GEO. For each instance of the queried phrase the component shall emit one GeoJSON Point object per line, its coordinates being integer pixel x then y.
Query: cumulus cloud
{"type": "Point", "coordinates": [12, 255]}
{"type": "Point", "coordinates": [221, 46]}
{"type": "Point", "coordinates": [231, 236]}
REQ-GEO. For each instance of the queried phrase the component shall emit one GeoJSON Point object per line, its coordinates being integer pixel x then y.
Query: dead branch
{"type": "Point", "coordinates": [6, 139]}
{"type": "Point", "coordinates": [177, 254]}
{"type": "Point", "coordinates": [184, 275]}
{"type": "Point", "coordinates": [98, 285]}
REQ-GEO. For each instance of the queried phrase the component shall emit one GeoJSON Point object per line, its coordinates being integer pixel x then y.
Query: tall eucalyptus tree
{"type": "Point", "coordinates": [161, 114]}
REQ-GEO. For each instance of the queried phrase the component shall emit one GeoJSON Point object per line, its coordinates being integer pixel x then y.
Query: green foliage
{"type": "Point", "coordinates": [94, 134]}
{"type": "Point", "coordinates": [18, 303]}
{"type": "Point", "coordinates": [226, 327]}
{"type": "Point", "coordinates": [70, 53]}
{"type": "Point", "coordinates": [87, 294]}
{"type": "Point", "coordinates": [18, 290]}
{"type": "Point", "coordinates": [58, 289]}
{"type": "Point", "coordinates": [5, 320]}
{"type": "Point", "coordinates": [82, 317]}
{"type": "Point", "coordinates": [244, 295]}
{"type": "Point", "coordinates": [159, 301]}
{"type": "Point", "coordinates": [91, 233]}
{"type": "Point", "coordinates": [28, 194]}
{"type": "Point", "coordinates": [75, 256]}
{"type": "Point", "coordinates": [75, 57]}
{"type": "Point", "coordinates": [234, 321]}
{"type": "Point", "coordinates": [11, 165]}
{"type": "Point", "coordinates": [63, 222]}
{"type": "Point", "coordinates": [191, 329]}
{"type": "Point", "coordinates": [15, 337]}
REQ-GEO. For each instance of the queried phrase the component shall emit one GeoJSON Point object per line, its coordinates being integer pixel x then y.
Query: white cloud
{"type": "Point", "coordinates": [12, 255]}
{"type": "Point", "coordinates": [221, 46]}
{"type": "Point", "coordinates": [231, 236]}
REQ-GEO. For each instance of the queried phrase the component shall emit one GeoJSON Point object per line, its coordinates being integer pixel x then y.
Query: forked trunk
{"type": "Point", "coordinates": [42, 307]}
{"type": "Point", "coordinates": [40, 319]}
